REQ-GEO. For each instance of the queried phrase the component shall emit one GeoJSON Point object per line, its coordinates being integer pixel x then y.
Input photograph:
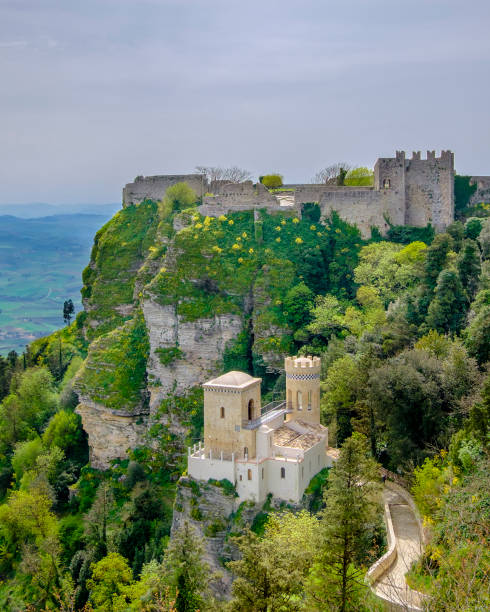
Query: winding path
{"type": "Point", "coordinates": [391, 585]}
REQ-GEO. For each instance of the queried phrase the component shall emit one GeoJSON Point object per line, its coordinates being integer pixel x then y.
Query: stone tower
{"type": "Point", "coordinates": [303, 388]}
{"type": "Point", "coordinates": [230, 402]}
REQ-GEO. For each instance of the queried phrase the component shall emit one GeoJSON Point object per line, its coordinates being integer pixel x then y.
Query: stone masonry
{"type": "Point", "coordinates": [406, 191]}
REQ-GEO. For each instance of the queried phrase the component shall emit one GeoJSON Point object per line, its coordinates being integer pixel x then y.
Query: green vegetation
{"type": "Point", "coordinates": [115, 371]}
{"type": "Point", "coordinates": [402, 326]}
{"type": "Point", "coordinates": [120, 248]}
{"type": "Point", "coordinates": [272, 181]}
{"type": "Point", "coordinates": [359, 177]}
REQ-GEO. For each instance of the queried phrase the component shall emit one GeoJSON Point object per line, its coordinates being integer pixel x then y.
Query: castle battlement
{"type": "Point", "coordinates": [277, 448]}
{"type": "Point", "coordinates": [292, 364]}
{"type": "Point", "coordinates": [406, 191]}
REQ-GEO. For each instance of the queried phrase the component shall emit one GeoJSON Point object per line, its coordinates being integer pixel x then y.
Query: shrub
{"type": "Point", "coordinates": [169, 355]}
{"type": "Point", "coordinates": [179, 197]}
{"type": "Point", "coordinates": [215, 527]}
{"type": "Point", "coordinates": [271, 181]}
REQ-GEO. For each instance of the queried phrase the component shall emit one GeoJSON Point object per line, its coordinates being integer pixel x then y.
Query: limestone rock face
{"type": "Point", "coordinates": [201, 343]}
{"type": "Point", "coordinates": [215, 515]}
{"type": "Point", "coordinates": [110, 432]}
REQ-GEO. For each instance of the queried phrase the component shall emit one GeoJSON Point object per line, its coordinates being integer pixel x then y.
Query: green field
{"type": "Point", "coordinates": [41, 263]}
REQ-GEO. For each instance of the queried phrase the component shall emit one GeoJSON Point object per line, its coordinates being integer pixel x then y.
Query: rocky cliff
{"type": "Point", "coordinates": [174, 297]}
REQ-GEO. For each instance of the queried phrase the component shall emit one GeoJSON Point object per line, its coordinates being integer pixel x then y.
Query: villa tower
{"type": "Point", "coordinates": [303, 388]}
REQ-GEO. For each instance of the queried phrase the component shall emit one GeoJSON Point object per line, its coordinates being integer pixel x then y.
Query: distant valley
{"type": "Point", "coordinates": [41, 263]}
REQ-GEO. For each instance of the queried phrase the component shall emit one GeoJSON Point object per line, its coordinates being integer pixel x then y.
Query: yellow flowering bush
{"type": "Point", "coordinates": [283, 222]}
{"type": "Point", "coordinates": [236, 247]}
{"type": "Point", "coordinates": [240, 260]}
{"type": "Point", "coordinates": [250, 251]}
{"type": "Point", "coordinates": [222, 218]}
{"type": "Point", "coordinates": [245, 235]}
{"type": "Point", "coordinates": [299, 240]}
{"type": "Point", "coordinates": [231, 222]}
{"type": "Point", "coordinates": [278, 228]}
{"type": "Point", "coordinates": [313, 228]}
{"type": "Point", "coordinates": [198, 225]}
{"type": "Point", "coordinates": [278, 239]}
{"type": "Point", "coordinates": [295, 220]}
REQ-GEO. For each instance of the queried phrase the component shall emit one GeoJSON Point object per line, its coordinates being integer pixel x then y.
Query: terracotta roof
{"type": "Point", "coordinates": [285, 436]}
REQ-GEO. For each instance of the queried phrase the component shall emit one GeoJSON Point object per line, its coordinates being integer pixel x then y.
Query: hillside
{"type": "Point", "coordinates": [172, 297]}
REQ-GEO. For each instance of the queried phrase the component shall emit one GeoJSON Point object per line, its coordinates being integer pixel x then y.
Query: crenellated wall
{"type": "Point", "coordinates": [154, 187]}
{"type": "Point", "coordinates": [412, 191]}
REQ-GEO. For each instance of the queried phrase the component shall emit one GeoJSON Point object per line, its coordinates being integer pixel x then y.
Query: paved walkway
{"type": "Point", "coordinates": [391, 585]}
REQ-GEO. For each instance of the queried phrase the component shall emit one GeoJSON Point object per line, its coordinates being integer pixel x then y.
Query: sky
{"type": "Point", "coordinates": [94, 93]}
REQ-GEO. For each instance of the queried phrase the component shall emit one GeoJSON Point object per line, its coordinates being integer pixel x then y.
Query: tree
{"type": "Point", "coordinates": [352, 502]}
{"type": "Point", "coordinates": [297, 305]}
{"type": "Point", "coordinates": [359, 177]}
{"type": "Point", "coordinates": [97, 518]}
{"type": "Point", "coordinates": [327, 315]}
{"type": "Point", "coordinates": [472, 228]}
{"type": "Point", "coordinates": [340, 393]}
{"type": "Point", "coordinates": [29, 543]}
{"type": "Point", "coordinates": [234, 174]}
{"type": "Point", "coordinates": [270, 574]}
{"type": "Point", "coordinates": [436, 259]}
{"type": "Point", "coordinates": [329, 174]}
{"type": "Point", "coordinates": [469, 267]}
{"type": "Point", "coordinates": [272, 181]}
{"type": "Point", "coordinates": [187, 573]}
{"type": "Point", "coordinates": [64, 431]}
{"type": "Point", "coordinates": [177, 197]}
{"type": "Point", "coordinates": [477, 335]}
{"type": "Point", "coordinates": [68, 310]}
{"type": "Point", "coordinates": [110, 576]}
{"type": "Point", "coordinates": [447, 310]}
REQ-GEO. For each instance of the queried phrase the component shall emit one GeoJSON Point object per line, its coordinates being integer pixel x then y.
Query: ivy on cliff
{"type": "Point", "coordinates": [120, 248]}
{"type": "Point", "coordinates": [114, 373]}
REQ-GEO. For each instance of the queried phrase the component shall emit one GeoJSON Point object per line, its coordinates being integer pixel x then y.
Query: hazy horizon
{"type": "Point", "coordinates": [97, 93]}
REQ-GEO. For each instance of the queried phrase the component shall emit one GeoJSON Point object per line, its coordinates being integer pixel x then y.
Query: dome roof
{"type": "Point", "coordinates": [233, 379]}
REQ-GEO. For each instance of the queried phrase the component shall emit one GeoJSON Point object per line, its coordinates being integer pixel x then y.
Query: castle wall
{"type": "Point", "coordinates": [365, 207]}
{"type": "Point", "coordinates": [234, 197]}
{"type": "Point", "coordinates": [482, 193]}
{"type": "Point", "coordinates": [430, 190]}
{"type": "Point", "coordinates": [154, 187]}
{"type": "Point", "coordinates": [408, 192]}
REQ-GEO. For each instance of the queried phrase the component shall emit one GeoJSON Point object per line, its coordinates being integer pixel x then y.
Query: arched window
{"type": "Point", "coordinates": [245, 452]}
{"type": "Point", "coordinates": [222, 412]}
{"type": "Point", "coordinates": [299, 400]}
{"type": "Point", "coordinates": [386, 184]}
{"type": "Point", "coordinates": [249, 473]}
{"type": "Point", "coordinates": [309, 400]}
{"type": "Point", "coordinates": [250, 410]}
{"type": "Point", "coordinates": [283, 472]}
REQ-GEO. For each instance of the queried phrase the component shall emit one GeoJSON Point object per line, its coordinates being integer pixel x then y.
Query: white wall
{"type": "Point", "coordinates": [204, 469]}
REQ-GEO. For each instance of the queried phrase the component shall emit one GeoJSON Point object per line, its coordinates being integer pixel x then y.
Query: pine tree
{"type": "Point", "coordinates": [469, 267]}
{"type": "Point", "coordinates": [187, 573]}
{"type": "Point", "coordinates": [351, 505]}
{"type": "Point", "coordinates": [448, 308]}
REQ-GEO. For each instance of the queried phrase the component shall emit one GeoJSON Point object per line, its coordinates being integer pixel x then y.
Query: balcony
{"type": "Point", "coordinates": [268, 413]}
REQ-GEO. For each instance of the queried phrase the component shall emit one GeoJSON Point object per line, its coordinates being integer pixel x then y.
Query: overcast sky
{"type": "Point", "coordinates": [95, 92]}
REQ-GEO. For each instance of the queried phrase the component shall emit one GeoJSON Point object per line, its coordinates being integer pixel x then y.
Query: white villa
{"type": "Point", "coordinates": [276, 448]}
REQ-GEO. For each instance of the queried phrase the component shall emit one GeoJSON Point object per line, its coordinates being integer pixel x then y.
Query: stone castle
{"type": "Point", "coordinates": [406, 191]}
{"type": "Point", "coordinates": [276, 448]}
